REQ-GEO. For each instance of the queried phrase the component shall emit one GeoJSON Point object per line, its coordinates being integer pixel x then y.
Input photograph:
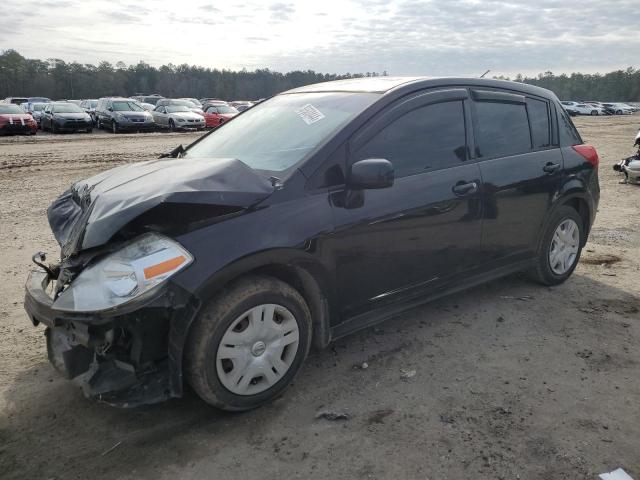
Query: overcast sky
{"type": "Point", "coordinates": [403, 37]}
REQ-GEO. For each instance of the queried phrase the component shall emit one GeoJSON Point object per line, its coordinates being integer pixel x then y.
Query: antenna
{"type": "Point", "coordinates": [482, 76]}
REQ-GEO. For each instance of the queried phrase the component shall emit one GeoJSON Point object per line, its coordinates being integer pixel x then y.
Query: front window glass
{"type": "Point", "coordinates": [66, 108]}
{"type": "Point", "coordinates": [225, 109]}
{"type": "Point", "coordinates": [425, 139]}
{"type": "Point", "coordinates": [278, 133]}
{"type": "Point", "coordinates": [125, 106]}
{"type": "Point", "coordinates": [10, 109]}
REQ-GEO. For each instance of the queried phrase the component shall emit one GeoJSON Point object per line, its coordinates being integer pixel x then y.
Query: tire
{"type": "Point", "coordinates": [207, 373]}
{"type": "Point", "coordinates": [114, 127]}
{"type": "Point", "coordinates": [618, 112]}
{"type": "Point", "coordinates": [98, 124]}
{"type": "Point", "coordinates": [594, 112]}
{"type": "Point", "coordinates": [172, 126]}
{"type": "Point", "coordinates": [54, 129]}
{"type": "Point", "coordinates": [543, 271]}
{"type": "Point", "coordinates": [89, 130]}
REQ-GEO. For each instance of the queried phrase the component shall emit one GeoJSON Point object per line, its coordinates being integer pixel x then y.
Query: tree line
{"type": "Point", "coordinates": [57, 79]}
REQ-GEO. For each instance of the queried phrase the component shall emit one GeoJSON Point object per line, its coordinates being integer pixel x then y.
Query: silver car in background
{"type": "Point", "coordinates": [177, 117]}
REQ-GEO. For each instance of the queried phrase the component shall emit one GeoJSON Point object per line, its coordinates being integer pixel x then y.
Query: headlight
{"type": "Point", "coordinates": [124, 275]}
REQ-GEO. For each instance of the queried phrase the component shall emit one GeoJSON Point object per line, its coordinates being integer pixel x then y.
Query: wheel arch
{"type": "Point", "coordinates": [576, 197]}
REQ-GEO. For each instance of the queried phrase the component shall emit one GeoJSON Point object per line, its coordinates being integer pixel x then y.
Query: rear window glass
{"type": "Point", "coordinates": [538, 111]}
{"type": "Point", "coordinates": [502, 129]}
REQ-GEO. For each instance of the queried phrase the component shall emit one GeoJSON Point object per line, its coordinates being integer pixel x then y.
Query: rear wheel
{"type": "Point", "coordinates": [248, 343]}
{"type": "Point", "coordinates": [560, 248]}
{"type": "Point", "coordinates": [594, 112]}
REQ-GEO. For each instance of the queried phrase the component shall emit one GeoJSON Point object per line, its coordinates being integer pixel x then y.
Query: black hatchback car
{"type": "Point", "coordinates": [316, 213]}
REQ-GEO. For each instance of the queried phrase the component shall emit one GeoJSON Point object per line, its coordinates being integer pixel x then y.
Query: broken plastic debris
{"type": "Point", "coordinates": [333, 416]}
{"type": "Point", "coordinates": [618, 474]}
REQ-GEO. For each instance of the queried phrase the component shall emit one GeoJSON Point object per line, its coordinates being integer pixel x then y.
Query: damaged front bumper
{"type": "Point", "coordinates": [128, 356]}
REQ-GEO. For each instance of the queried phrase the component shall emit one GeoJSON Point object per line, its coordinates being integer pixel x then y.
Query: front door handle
{"type": "Point", "coordinates": [551, 167]}
{"type": "Point", "coordinates": [464, 189]}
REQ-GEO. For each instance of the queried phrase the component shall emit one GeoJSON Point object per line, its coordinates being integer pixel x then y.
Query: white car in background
{"type": "Point", "coordinates": [177, 117]}
{"type": "Point", "coordinates": [622, 108]}
{"type": "Point", "coordinates": [587, 109]}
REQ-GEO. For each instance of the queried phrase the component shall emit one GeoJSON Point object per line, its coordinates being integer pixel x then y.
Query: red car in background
{"type": "Point", "coordinates": [14, 120]}
{"type": "Point", "coordinates": [216, 114]}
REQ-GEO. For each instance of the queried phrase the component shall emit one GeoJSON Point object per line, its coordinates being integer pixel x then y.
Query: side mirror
{"type": "Point", "coordinates": [370, 174]}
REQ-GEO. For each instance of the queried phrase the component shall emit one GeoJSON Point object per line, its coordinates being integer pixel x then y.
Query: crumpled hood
{"type": "Point", "coordinates": [93, 210]}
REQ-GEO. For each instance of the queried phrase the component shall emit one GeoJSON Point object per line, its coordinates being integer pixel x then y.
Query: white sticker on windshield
{"type": "Point", "coordinates": [310, 114]}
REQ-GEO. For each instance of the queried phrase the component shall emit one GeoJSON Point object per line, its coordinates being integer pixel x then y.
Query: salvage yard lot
{"type": "Point", "coordinates": [511, 378]}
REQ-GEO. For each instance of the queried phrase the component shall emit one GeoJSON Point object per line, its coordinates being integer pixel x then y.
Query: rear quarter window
{"type": "Point", "coordinates": [501, 129]}
{"type": "Point", "coordinates": [539, 120]}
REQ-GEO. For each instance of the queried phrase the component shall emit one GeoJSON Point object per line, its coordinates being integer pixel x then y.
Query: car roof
{"type": "Point", "coordinates": [388, 84]}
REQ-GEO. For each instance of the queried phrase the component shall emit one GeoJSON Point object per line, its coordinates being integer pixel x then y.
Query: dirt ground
{"type": "Point", "coordinates": [512, 380]}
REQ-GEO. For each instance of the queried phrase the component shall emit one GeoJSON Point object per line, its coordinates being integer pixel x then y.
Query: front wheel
{"type": "Point", "coordinates": [172, 126]}
{"type": "Point", "coordinates": [594, 112]}
{"type": "Point", "coordinates": [560, 248]}
{"type": "Point", "coordinates": [248, 343]}
{"type": "Point", "coordinates": [114, 127]}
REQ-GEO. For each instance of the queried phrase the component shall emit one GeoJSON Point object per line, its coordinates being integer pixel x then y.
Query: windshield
{"type": "Point", "coordinates": [279, 133]}
{"type": "Point", "coordinates": [93, 103]}
{"type": "Point", "coordinates": [195, 102]}
{"type": "Point", "coordinates": [225, 109]}
{"type": "Point", "coordinates": [177, 109]}
{"type": "Point", "coordinates": [66, 108]}
{"type": "Point", "coordinates": [124, 106]}
{"type": "Point", "coordinates": [38, 107]}
{"type": "Point", "coordinates": [9, 109]}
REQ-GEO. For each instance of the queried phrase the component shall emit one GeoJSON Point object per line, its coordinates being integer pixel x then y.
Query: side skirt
{"type": "Point", "coordinates": [368, 319]}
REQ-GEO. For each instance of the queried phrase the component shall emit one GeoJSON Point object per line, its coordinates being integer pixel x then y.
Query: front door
{"type": "Point", "coordinates": [424, 230]}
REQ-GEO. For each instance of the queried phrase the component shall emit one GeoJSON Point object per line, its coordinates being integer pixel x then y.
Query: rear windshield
{"type": "Point", "coordinates": [10, 109]}
{"type": "Point", "coordinates": [66, 108]}
{"type": "Point", "coordinates": [279, 133]}
{"type": "Point", "coordinates": [124, 106]}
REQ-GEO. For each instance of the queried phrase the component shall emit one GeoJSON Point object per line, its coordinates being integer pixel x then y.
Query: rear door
{"type": "Point", "coordinates": [406, 240]}
{"type": "Point", "coordinates": [521, 164]}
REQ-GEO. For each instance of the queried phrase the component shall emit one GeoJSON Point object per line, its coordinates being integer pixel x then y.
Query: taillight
{"type": "Point", "coordinates": [588, 152]}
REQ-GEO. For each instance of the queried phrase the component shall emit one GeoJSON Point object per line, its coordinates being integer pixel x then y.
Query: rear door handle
{"type": "Point", "coordinates": [464, 189]}
{"type": "Point", "coordinates": [551, 167]}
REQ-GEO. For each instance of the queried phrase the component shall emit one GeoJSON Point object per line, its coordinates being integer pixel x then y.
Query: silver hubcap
{"type": "Point", "coordinates": [564, 247]}
{"type": "Point", "coordinates": [257, 349]}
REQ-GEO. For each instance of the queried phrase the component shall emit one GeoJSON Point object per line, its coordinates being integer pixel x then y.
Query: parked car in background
{"type": "Point", "coordinates": [147, 106]}
{"type": "Point", "coordinates": [195, 101]}
{"type": "Point", "coordinates": [320, 212]}
{"type": "Point", "coordinates": [39, 100]}
{"type": "Point", "coordinates": [123, 114]}
{"type": "Point", "coordinates": [65, 117]}
{"type": "Point", "coordinates": [241, 105]}
{"type": "Point", "coordinates": [15, 120]}
{"type": "Point", "coordinates": [216, 115]}
{"type": "Point", "coordinates": [177, 117]}
{"type": "Point", "coordinates": [36, 110]}
{"type": "Point", "coordinates": [585, 109]}
{"type": "Point", "coordinates": [152, 98]}
{"type": "Point", "coordinates": [204, 101]}
{"type": "Point", "coordinates": [181, 102]}
{"type": "Point", "coordinates": [89, 106]}
{"type": "Point", "coordinates": [16, 100]}
{"type": "Point", "coordinates": [568, 106]}
{"type": "Point", "coordinates": [621, 108]}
